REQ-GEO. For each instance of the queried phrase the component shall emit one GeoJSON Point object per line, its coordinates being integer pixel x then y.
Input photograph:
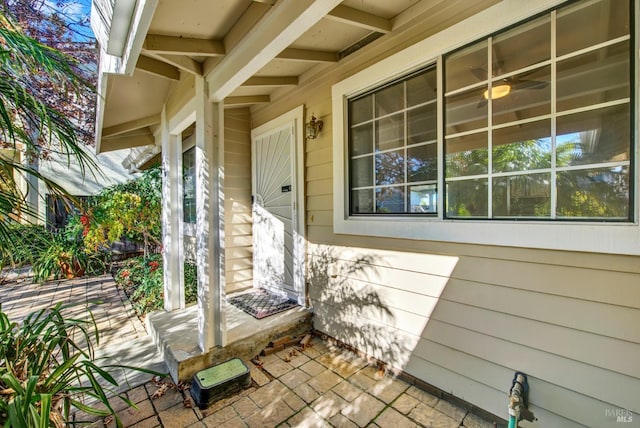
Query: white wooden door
{"type": "Point", "coordinates": [273, 209]}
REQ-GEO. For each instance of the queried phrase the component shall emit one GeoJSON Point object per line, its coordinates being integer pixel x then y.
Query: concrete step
{"type": "Point", "coordinates": [176, 335]}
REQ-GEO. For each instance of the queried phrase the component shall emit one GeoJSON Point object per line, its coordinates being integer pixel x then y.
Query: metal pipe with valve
{"type": "Point", "coordinates": [518, 400]}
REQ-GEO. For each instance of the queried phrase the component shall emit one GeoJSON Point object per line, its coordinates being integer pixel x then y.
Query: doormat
{"type": "Point", "coordinates": [260, 303]}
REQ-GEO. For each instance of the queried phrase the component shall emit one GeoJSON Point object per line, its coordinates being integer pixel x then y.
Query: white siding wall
{"type": "Point", "coordinates": [465, 317]}
{"type": "Point", "coordinates": [237, 204]}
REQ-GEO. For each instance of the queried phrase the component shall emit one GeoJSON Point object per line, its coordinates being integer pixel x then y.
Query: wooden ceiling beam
{"type": "Point", "coordinates": [181, 62]}
{"type": "Point", "coordinates": [355, 17]}
{"type": "Point", "coordinates": [286, 21]}
{"type": "Point", "coordinates": [158, 68]}
{"type": "Point", "coordinates": [246, 101]}
{"type": "Point", "coordinates": [133, 125]}
{"type": "Point", "coordinates": [307, 55]}
{"type": "Point", "coordinates": [271, 81]}
{"type": "Point", "coordinates": [183, 46]}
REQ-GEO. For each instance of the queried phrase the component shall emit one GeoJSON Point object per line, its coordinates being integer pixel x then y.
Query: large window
{"type": "Point", "coordinates": [393, 147]}
{"type": "Point", "coordinates": [536, 124]}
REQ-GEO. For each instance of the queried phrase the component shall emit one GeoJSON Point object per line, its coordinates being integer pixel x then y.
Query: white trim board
{"type": "Point", "coordinates": [615, 238]}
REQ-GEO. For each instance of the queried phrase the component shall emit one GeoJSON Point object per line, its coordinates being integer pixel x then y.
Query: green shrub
{"type": "Point", "coordinates": [142, 280]}
{"type": "Point", "coordinates": [48, 367]}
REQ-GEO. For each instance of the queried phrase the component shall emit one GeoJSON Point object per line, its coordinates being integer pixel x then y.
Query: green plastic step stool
{"type": "Point", "coordinates": [217, 382]}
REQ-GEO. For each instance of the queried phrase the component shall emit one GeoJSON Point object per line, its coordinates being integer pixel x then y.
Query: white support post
{"type": "Point", "coordinates": [172, 234]}
{"type": "Point", "coordinates": [30, 188]}
{"type": "Point", "coordinates": [209, 220]}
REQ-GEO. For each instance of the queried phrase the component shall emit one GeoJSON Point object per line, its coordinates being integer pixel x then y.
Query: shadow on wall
{"type": "Point", "coordinates": [352, 310]}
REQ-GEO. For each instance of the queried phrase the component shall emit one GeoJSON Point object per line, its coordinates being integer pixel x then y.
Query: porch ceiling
{"type": "Point", "coordinates": [202, 37]}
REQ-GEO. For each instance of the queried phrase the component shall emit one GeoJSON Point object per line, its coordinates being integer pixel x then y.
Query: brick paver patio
{"type": "Point", "coordinates": [320, 386]}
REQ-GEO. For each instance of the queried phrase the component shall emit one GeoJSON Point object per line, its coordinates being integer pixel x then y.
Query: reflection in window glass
{"type": "Point", "coordinates": [594, 77]}
{"type": "Point", "coordinates": [362, 171]}
{"type": "Point", "coordinates": [362, 139]}
{"type": "Point", "coordinates": [189, 185]}
{"type": "Point", "coordinates": [393, 166]}
{"type": "Point", "coordinates": [466, 155]}
{"type": "Point", "coordinates": [601, 193]}
{"type": "Point", "coordinates": [522, 147]}
{"type": "Point", "coordinates": [466, 67]}
{"type": "Point", "coordinates": [583, 24]}
{"type": "Point", "coordinates": [466, 111]}
{"type": "Point", "coordinates": [522, 196]}
{"type": "Point", "coordinates": [467, 198]}
{"type": "Point", "coordinates": [390, 167]}
{"type": "Point", "coordinates": [529, 96]}
{"type": "Point", "coordinates": [422, 162]}
{"type": "Point", "coordinates": [534, 38]}
{"type": "Point", "coordinates": [361, 110]}
{"type": "Point", "coordinates": [390, 200]}
{"type": "Point", "coordinates": [390, 132]}
{"type": "Point", "coordinates": [422, 124]}
{"type": "Point", "coordinates": [559, 132]}
{"type": "Point", "coordinates": [362, 201]}
{"type": "Point", "coordinates": [424, 198]}
{"type": "Point", "coordinates": [594, 136]}
{"type": "Point", "coordinates": [389, 100]}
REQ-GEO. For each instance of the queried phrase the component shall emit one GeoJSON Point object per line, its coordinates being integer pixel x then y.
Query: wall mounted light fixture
{"type": "Point", "coordinates": [313, 128]}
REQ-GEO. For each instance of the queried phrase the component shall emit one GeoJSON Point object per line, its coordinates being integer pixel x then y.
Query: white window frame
{"type": "Point", "coordinates": [598, 237]}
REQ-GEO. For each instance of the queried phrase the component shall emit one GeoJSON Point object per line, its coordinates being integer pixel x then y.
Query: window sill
{"type": "Point", "coordinates": [612, 238]}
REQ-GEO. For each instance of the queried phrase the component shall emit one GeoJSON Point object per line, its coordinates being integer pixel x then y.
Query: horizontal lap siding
{"type": "Point", "coordinates": [421, 312]}
{"type": "Point", "coordinates": [237, 188]}
{"type": "Point", "coordinates": [466, 317]}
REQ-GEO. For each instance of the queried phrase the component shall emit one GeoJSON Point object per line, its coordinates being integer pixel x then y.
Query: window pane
{"type": "Point", "coordinates": [529, 96]}
{"type": "Point", "coordinates": [422, 124]}
{"type": "Point", "coordinates": [587, 23]}
{"type": "Point", "coordinates": [522, 46]}
{"type": "Point", "coordinates": [595, 136]}
{"type": "Point", "coordinates": [594, 193]}
{"type": "Point", "coordinates": [361, 110]}
{"type": "Point", "coordinates": [362, 172]}
{"type": "Point", "coordinates": [466, 111]}
{"type": "Point", "coordinates": [390, 200]}
{"type": "Point", "coordinates": [362, 201]}
{"type": "Point", "coordinates": [189, 185]}
{"type": "Point", "coordinates": [390, 132]}
{"type": "Point", "coordinates": [466, 67]}
{"type": "Point", "coordinates": [390, 99]}
{"type": "Point", "coordinates": [423, 199]}
{"type": "Point", "coordinates": [422, 88]}
{"type": "Point", "coordinates": [522, 196]}
{"type": "Point", "coordinates": [522, 147]}
{"type": "Point", "coordinates": [362, 139]}
{"type": "Point", "coordinates": [595, 77]}
{"type": "Point", "coordinates": [422, 163]}
{"type": "Point", "coordinates": [466, 155]}
{"type": "Point", "coordinates": [390, 167]}
{"type": "Point", "coordinates": [467, 198]}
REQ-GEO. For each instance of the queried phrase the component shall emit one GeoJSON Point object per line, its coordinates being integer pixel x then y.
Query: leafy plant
{"type": "Point", "coordinates": [132, 210]}
{"type": "Point", "coordinates": [190, 282]}
{"type": "Point", "coordinates": [29, 243]}
{"type": "Point", "coordinates": [66, 257]}
{"type": "Point", "coordinates": [48, 367]}
{"type": "Point", "coordinates": [142, 280]}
